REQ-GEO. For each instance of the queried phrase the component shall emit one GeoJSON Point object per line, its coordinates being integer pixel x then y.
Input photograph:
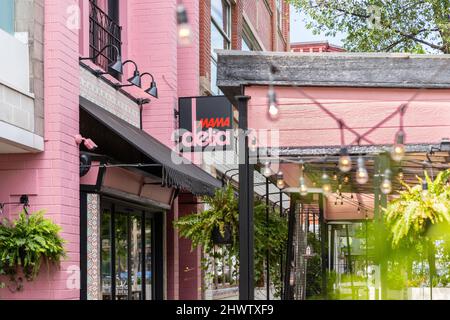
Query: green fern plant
{"type": "Point", "coordinates": [410, 217]}
{"type": "Point", "coordinates": [27, 242]}
{"type": "Point", "coordinates": [416, 219]}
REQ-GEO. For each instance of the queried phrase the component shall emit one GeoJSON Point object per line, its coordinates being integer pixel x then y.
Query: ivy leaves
{"type": "Point", "coordinates": [26, 242]}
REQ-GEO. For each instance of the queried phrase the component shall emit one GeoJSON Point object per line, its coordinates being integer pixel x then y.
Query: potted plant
{"type": "Point", "coordinates": [27, 242]}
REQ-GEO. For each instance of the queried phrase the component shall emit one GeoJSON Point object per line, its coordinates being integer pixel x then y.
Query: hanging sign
{"type": "Point", "coordinates": [205, 123]}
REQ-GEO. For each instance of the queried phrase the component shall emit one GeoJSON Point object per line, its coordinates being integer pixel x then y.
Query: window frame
{"type": "Point", "coordinates": [279, 13]}
{"type": "Point", "coordinates": [226, 34]}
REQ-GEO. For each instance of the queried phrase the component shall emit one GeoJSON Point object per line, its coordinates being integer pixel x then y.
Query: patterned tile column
{"type": "Point", "coordinates": [93, 247]}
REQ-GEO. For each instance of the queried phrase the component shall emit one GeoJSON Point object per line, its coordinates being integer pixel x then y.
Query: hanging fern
{"type": "Point", "coordinates": [25, 243]}
{"type": "Point", "coordinates": [409, 217]}
{"type": "Point", "coordinates": [222, 212]}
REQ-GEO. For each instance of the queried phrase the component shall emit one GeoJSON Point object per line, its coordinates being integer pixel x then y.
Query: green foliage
{"type": "Point", "coordinates": [26, 242]}
{"type": "Point", "coordinates": [222, 210]}
{"type": "Point", "coordinates": [378, 26]}
{"type": "Point", "coordinates": [314, 269]}
{"type": "Point", "coordinates": [409, 217]}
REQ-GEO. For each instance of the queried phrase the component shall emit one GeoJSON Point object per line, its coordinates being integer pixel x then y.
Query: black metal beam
{"type": "Point", "coordinates": [246, 237]}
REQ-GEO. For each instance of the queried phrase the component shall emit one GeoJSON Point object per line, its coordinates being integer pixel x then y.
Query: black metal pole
{"type": "Point", "coordinates": [267, 244]}
{"type": "Point", "coordinates": [281, 257]}
{"type": "Point", "coordinates": [287, 292]}
{"type": "Point", "coordinates": [246, 263]}
{"type": "Point", "coordinates": [323, 246]}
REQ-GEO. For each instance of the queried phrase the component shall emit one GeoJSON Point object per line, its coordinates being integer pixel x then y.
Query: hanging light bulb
{"type": "Point", "coordinates": [345, 162]}
{"type": "Point", "coordinates": [362, 176]}
{"type": "Point", "coordinates": [386, 185]}
{"type": "Point", "coordinates": [253, 145]}
{"type": "Point", "coordinates": [280, 180]}
{"type": "Point", "coordinates": [303, 189]}
{"type": "Point", "coordinates": [267, 172]}
{"type": "Point", "coordinates": [326, 186]}
{"type": "Point", "coordinates": [400, 174]}
{"type": "Point", "coordinates": [184, 29]}
{"type": "Point", "coordinates": [398, 150]}
{"type": "Point", "coordinates": [335, 176]}
{"type": "Point", "coordinates": [273, 105]}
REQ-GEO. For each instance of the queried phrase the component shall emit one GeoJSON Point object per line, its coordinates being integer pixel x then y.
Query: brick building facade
{"type": "Point", "coordinates": [315, 46]}
{"type": "Point", "coordinates": [257, 25]}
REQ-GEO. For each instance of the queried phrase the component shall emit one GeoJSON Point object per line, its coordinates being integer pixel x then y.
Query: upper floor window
{"type": "Point", "coordinates": [104, 29]}
{"type": "Point", "coordinates": [279, 14]}
{"type": "Point", "coordinates": [7, 15]}
{"type": "Point", "coordinates": [249, 42]}
{"type": "Point", "coordinates": [220, 35]}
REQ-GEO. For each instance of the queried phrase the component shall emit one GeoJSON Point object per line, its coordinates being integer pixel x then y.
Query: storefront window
{"type": "Point", "coordinates": [136, 257]}
{"type": "Point", "coordinates": [148, 259]}
{"type": "Point", "coordinates": [106, 254]}
{"type": "Point", "coordinates": [220, 35]}
{"type": "Point", "coordinates": [127, 253]}
{"type": "Point", "coordinates": [7, 15]}
{"type": "Point", "coordinates": [121, 237]}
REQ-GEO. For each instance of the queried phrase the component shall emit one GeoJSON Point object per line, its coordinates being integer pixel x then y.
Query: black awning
{"type": "Point", "coordinates": [186, 176]}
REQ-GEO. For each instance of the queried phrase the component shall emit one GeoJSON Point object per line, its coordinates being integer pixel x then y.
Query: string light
{"type": "Point", "coordinates": [326, 186]}
{"type": "Point", "coordinates": [280, 180]}
{"type": "Point", "coordinates": [386, 185]}
{"type": "Point", "coordinates": [303, 189]}
{"type": "Point", "coordinates": [346, 179]}
{"type": "Point", "coordinates": [400, 174]}
{"type": "Point", "coordinates": [184, 29]}
{"type": "Point", "coordinates": [273, 105]}
{"type": "Point", "coordinates": [398, 150]}
{"type": "Point", "coordinates": [362, 176]}
{"type": "Point", "coordinates": [267, 172]}
{"type": "Point", "coordinates": [253, 145]}
{"type": "Point", "coordinates": [345, 162]}
{"type": "Point", "coordinates": [335, 176]}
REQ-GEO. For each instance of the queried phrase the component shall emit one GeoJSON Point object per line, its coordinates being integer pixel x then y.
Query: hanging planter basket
{"type": "Point", "coordinates": [217, 237]}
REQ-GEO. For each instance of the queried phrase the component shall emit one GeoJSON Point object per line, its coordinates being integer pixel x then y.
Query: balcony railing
{"type": "Point", "coordinates": [103, 31]}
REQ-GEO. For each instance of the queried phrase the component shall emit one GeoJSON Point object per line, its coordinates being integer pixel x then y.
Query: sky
{"type": "Point", "coordinates": [299, 33]}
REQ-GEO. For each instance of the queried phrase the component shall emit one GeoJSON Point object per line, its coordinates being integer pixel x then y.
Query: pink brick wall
{"type": "Point", "coordinates": [152, 40]}
{"type": "Point", "coordinates": [189, 260]}
{"type": "Point", "coordinates": [301, 123]}
{"type": "Point", "coordinates": [57, 169]}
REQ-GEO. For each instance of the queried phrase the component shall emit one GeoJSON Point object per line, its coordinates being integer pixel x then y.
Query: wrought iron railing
{"type": "Point", "coordinates": [103, 31]}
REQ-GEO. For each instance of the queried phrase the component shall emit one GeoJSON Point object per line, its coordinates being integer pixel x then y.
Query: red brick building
{"type": "Point", "coordinates": [319, 46]}
{"type": "Point", "coordinates": [256, 25]}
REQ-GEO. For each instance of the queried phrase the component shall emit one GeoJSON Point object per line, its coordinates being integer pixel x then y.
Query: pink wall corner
{"type": "Point", "coordinates": [84, 28]}
{"type": "Point", "coordinates": [57, 167]}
